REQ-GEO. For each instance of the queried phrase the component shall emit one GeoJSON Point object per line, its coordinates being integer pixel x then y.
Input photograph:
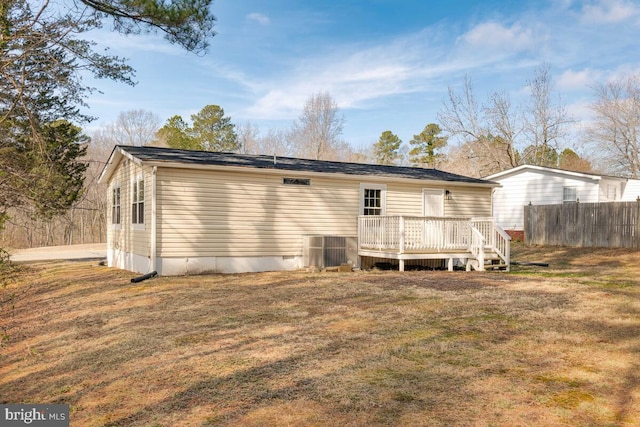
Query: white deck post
{"type": "Point", "coordinates": [401, 231]}
{"type": "Point", "coordinates": [401, 264]}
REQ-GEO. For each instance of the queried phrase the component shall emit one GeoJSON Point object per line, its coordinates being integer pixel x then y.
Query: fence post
{"type": "Point", "coordinates": [528, 227]}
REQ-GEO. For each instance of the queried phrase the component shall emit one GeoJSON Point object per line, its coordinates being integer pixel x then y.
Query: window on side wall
{"type": "Point", "coordinates": [569, 195]}
{"type": "Point", "coordinates": [137, 206]}
{"type": "Point", "coordinates": [115, 206]}
{"type": "Point", "coordinates": [372, 199]}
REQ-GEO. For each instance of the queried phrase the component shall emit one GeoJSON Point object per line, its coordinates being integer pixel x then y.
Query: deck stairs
{"type": "Point", "coordinates": [492, 261]}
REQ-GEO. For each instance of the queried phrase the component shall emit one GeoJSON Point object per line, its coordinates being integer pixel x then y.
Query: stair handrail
{"type": "Point", "coordinates": [503, 245]}
{"type": "Point", "coordinates": [476, 246]}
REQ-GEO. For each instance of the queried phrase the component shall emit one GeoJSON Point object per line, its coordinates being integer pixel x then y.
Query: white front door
{"type": "Point", "coordinates": [432, 202]}
{"type": "Point", "coordinates": [432, 206]}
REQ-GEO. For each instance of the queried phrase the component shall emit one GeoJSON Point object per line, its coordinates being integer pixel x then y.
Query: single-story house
{"type": "Point", "coordinates": [539, 185]}
{"type": "Point", "coordinates": [186, 212]}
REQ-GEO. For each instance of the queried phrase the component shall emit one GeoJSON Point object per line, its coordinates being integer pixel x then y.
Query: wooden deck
{"type": "Point", "coordinates": [475, 241]}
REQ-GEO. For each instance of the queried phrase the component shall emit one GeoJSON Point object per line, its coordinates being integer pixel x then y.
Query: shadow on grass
{"type": "Point", "coordinates": [364, 349]}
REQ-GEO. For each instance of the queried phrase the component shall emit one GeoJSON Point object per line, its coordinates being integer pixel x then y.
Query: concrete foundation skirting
{"type": "Point", "coordinates": [180, 266]}
{"type": "Point", "coordinates": [199, 265]}
{"type": "Point", "coordinates": [128, 261]}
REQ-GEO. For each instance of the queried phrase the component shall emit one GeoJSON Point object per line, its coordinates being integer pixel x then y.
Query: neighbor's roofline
{"type": "Point", "coordinates": [589, 175]}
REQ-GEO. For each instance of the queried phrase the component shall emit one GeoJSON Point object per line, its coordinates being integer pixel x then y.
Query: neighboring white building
{"type": "Point", "coordinates": [547, 186]}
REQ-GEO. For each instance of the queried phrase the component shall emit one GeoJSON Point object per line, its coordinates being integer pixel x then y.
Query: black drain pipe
{"type": "Point", "coordinates": [145, 277]}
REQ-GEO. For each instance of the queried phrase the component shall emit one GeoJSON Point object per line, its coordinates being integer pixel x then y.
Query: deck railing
{"type": "Point", "coordinates": [405, 234]}
{"type": "Point", "coordinates": [413, 234]}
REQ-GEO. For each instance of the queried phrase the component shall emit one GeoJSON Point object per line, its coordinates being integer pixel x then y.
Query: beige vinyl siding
{"type": "Point", "coordinates": [213, 213]}
{"type": "Point", "coordinates": [124, 237]}
{"type": "Point", "coordinates": [403, 199]}
{"type": "Point", "coordinates": [468, 202]}
{"type": "Point", "coordinates": [250, 213]}
{"type": "Point", "coordinates": [406, 199]}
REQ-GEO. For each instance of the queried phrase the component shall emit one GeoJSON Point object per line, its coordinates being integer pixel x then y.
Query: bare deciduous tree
{"type": "Point", "coordinates": [317, 131]}
{"type": "Point", "coordinates": [275, 142]}
{"type": "Point", "coordinates": [616, 127]}
{"type": "Point", "coordinates": [500, 137]}
{"type": "Point", "coordinates": [488, 133]}
{"type": "Point", "coordinates": [504, 127]}
{"type": "Point", "coordinates": [134, 127]}
{"type": "Point", "coordinates": [545, 122]}
{"type": "Point", "coordinates": [248, 135]}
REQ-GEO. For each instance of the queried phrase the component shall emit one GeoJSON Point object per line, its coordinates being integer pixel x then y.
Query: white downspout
{"type": "Point", "coordinates": [153, 218]}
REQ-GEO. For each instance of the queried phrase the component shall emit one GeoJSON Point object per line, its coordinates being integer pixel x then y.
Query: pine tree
{"type": "Point", "coordinates": [425, 146]}
{"type": "Point", "coordinates": [386, 149]}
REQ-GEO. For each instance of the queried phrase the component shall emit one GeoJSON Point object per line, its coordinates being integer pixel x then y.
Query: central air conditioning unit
{"type": "Point", "coordinates": [330, 251]}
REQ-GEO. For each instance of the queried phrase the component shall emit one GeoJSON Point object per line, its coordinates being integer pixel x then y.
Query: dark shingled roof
{"type": "Point", "coordinates": [188, 157]}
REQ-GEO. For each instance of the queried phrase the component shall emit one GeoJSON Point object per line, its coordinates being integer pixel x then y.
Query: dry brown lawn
{"type": "Point", "coordinates": [538, 346]}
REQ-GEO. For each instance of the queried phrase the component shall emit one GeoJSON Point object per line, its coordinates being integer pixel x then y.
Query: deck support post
{"type": "Point", "coordinates": [401, 265]}
{"type": "Point", "coordinates": [450, 264]}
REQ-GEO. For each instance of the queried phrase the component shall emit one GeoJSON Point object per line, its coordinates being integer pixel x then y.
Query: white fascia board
{"type": "Point", "coordinates": [114, 160]}
{"type": "Point", "coordinates": [311, 174]}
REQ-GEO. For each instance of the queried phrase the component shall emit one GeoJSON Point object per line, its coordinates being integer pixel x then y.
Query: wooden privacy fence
{"type": "Point", "coordinates": [612, 225]}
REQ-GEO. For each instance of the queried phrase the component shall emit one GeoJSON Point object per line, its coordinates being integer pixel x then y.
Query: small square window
{"type": "Point", "coordinates": [569, 195]}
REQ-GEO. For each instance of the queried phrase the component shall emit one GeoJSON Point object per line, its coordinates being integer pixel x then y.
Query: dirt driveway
{"type": "Point", "coordinates": [89, 251]}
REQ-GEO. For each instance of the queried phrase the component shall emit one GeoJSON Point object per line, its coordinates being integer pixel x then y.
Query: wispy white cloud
{"type": "Point", "coordinates": [621, 71]}
{"type": "Point", "coordinates": [610, 11]}
{"type": "Point", "coordinates": [259, 18]}
{"type": "Point", "coordinates": [357, 75]}
{"type": "Point", "coordinates": [130, 45]}
{"type": "Point", "coordinates": [494, 36]}
{"type": "Point", "coordinates": [577, 80]}
{"type": "Point", "coordinates": [352, 75]}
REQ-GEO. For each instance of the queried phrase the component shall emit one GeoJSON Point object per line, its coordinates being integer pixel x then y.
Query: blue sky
{"type": "Point", "coordinates": [387, 63]}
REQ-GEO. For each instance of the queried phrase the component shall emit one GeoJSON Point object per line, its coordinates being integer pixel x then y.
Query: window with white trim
{"type": "Point", "coordinates": [137, 205]}
{"type": "Point", "coordinates": [569, 195]}
{"type": "Point", "coordinates": [115, 206]}
{"type": "Point", "coordinates": [372, 199]}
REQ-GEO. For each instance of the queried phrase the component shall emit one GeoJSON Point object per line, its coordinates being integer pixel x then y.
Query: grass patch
{"type": "Point", "coordinates": [554, 347]}
{"type": "Point", "coordinates": [551, 274]}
